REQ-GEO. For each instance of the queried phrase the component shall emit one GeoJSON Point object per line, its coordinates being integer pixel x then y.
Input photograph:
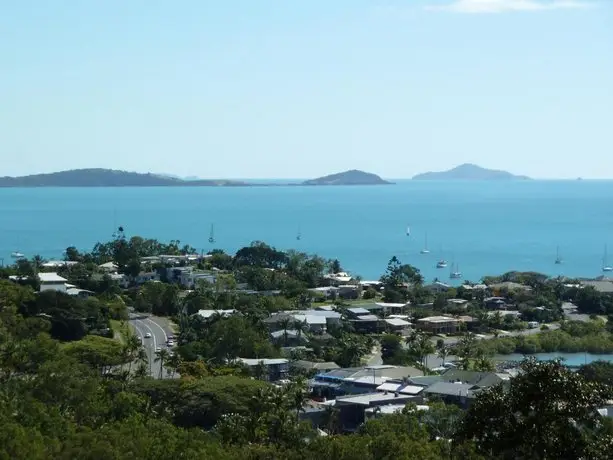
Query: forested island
{"type": "Point", "coordinates": [98, 177]}
{"type": "Point", "coordinates": [250, 366]}
{"type": "Point", "coordinates": [469, 171]}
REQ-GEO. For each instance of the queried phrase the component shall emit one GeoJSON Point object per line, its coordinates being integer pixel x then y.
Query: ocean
{"type": "Point", "coordinates": [486, 228]}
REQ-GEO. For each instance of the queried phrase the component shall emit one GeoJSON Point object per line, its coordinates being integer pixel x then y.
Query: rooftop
{"type": "Point", "coordinates": [397, 322]}
{"type": "Point", "coordinates": [208, 313]}
{"type": "Point", "coordinates": [451, 389]}
{"type": "Point", "coordinates": [370, 398]}
{"type": "Point", "coordinates": [51, 278]}
{"type": "Point", "coordinates": [264, 361]}
{"type": "Point", "coordinates": [438, 319]}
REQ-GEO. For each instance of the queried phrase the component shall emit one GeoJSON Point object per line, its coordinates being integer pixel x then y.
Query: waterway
{"type": "Point", "coordinates": [570, 359]}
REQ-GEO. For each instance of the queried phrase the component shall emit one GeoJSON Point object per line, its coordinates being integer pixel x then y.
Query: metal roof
{"type": "Point", "coordinates": [51, 278]}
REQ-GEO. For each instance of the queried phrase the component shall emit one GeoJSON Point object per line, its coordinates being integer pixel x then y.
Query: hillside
{"type": "Point", "coordinates": [469, 172]}
{"type": "Point", "coordinates": [352, 177]}
{"type": "Point", "coordinates": [107, 178]}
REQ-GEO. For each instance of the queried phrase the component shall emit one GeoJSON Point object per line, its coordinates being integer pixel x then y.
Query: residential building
{"type": "Point", "coordinates": [495, 303]}
{"type": "Point", "coordinates": [273, 369]}
{"type": "Point", "coordinates": [508, 286]}
{"type": "Point", "coordinates": [81, 293]}
{"type": "Point", "coordinates": [314, 367]}
{"type": "Point", "coordinates": [437, 287]}
{"type": "Point", "coordinates": [366, 324]}
{"type": "Point", "coordinates": [602, 286]}
{"type": "Point", "coordinates": [52, 282]}
{"type": "Point", "coordinates": [58, 263]}
{"type": "Point", "coordinates": [109, 267]}
{"type": "Point", "coordinates": [396, 324]}
{"type": "Point", "coordinates": [457, 303]}
{"type": "Point", "coordinates": [289, 338]}
{"type": "Point", "coordinates": [206, 314]}
{"type": "Point", "coordinates": [438, 324]}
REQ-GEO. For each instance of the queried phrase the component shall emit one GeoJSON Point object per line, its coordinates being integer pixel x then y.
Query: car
{"type": "Point", "coordinates": [170, 343]}
{"type": "Point", "coordinates": [171, 338]}
{"type": "Point", "coordinates": [148, 335]}
{"type": "Point", "coordinates": [158, 349]}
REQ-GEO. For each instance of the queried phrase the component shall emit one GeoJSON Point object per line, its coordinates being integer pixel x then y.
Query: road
{"type": "Point", "coordinates": [160, 329]}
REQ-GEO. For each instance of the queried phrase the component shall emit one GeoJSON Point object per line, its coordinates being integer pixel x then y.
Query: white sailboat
{"type": "Point", "coordinates": [17, 255]}
{"type": "Point", "coordinates": [408, 231]}
{"type": "Point", "coordinates": [299, 235]}
{"type": "Point", "coordinates": [455, 273]}
{"type": "Point", "coordinates": [212, 234]}
{"type": "Point", "coordinates": [605, 265]}
{"type": "Point", "coordinates": [558, 260]}
{"type": "Point", "coordinates": [442, 263]}
{"type": "Point", "coordinates": [425, 250]}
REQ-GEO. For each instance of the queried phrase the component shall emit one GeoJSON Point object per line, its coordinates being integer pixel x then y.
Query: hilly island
{"type": "Point", "coordinates": [98, 177]}
{"type": "Point", "coordinates": [469, 171]}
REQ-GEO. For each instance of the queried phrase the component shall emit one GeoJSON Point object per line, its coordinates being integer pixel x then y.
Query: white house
{"type": "Point", "coordinates": [52, 282]}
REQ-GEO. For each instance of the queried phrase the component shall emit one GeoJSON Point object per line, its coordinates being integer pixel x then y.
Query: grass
{"type": "Point", "coordinates": [121, 330]}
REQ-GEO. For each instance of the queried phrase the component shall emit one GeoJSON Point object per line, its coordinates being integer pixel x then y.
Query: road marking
{"type": "Point", "coordinates": [160, 328]}
{"type": "Point", "coordinates": [155, 345]}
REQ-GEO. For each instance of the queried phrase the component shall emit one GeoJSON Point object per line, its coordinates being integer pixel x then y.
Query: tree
{"type": "Point", "coordinates": [598, 371]}
{"type": "Point", "coordinates": [161, 357]}
{"type": "Point", "coordinates": [549, 412]}
{"type": "Point", "coordinates": [335, 266]}
{"type": "Point", "coordinates": [419, 346]}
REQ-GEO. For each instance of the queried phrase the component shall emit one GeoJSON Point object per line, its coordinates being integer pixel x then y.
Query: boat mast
{"type": "Point", "coordinates": [212, 234]}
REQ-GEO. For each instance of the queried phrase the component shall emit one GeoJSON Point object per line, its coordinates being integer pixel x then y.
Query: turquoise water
{"type": "Point", "coordinates": [570, 359]}
{"type": "Point", "coordinates": [486, 227]}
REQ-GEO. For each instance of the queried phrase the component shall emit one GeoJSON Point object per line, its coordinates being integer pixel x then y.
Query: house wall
{"type": "Point", "coordinates": [60, 287]}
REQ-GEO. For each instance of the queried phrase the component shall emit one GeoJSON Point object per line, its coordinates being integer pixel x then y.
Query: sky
{"type": "Point", "coordinates": [298, 89]}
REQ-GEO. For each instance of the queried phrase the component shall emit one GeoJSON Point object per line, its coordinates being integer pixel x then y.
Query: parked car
{"type": "Point", "coordinates": [148, 335]}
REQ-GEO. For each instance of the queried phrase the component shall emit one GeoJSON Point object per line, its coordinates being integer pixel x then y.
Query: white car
{"type": "Point", "coordinates": [158, 349]}
{"type": "Point", "coordinates": [148, 335]}
{"type": "Point", "coordinates": [170, 343]}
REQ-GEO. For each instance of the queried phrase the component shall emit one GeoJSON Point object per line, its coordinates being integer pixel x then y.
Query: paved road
{"type": "Point", "coordinates": [159, 328]}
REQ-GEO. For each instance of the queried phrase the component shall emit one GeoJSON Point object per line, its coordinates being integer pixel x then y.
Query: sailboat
{"type": "Point", "coordinates": [455, 273]}
{"type": "Point", "coordinates": [298, 235]}
{"type": "Point", "coordinates": [17, 255]}
{"type": "Point", "coordinates": [408, 231]}
{"type": "Point", "coordinates": [558, 260]}
{"type": "Point", "coordinates": [212, 235]}
{"type": "Point", "coordinates": [425, 250]}
{"type": "Point", "coordinates": [605, 266]}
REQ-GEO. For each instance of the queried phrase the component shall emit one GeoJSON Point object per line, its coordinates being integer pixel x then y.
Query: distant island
{"type": "Point", "coordinates": [98, 177]}
{"type": "Point", "coordinates": [353, 177]}
{"type": "Point", "coordinates": [469, 171]}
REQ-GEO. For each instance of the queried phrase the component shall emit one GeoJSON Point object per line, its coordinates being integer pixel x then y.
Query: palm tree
{"type": "Point", "coordinates": [420, 346]}
{"type": "Point", "coordinates": [443, 352]}
{"type": "Point", "coordinates": [173, 364]}
{"type": "Point", "coordinates": [300, 326]}
{"type": "Point", "coordinates": [284, 324]}
{"type": "Point", "coordinates": [131, 350]}
{"type": "Point", "coordinates": [161, 357]}
{"type": "Point", "coordinates": [297, 395]}
{"type": "Point", "coordinates": [466, 348]}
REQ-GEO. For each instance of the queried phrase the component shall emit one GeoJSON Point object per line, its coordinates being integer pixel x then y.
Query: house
{"type": "Point", "coordinates": [357, 380]}
{"type": "Point", "coordinates": [336, 279]}
{"type": "Point", "coordinates": [206, 314]}
{"type": "Point", "coordinates": [495, 303]}
{"type": "Point", "coordinates": [109, 267]}
{"type": "Point", "coordinates": [349, 291]}
{"type": "Point", "coordinates": [314, 367]}
{"type": "Point", "coordinates": [289, 338]}
{"type": "Point", "coordinates": [356, 311]}
{"type": "Point", "coordinates": [457, 303]}
{"type": "Point", "coordinates": [52, 282]}
{"type": "Point", "coordinates": [396, 324]}
{"type": "Point", "coordinates": [384, 308]}
{"type": "Point", "coordinates": [458, 393]}
{"type": "Point", "coordinates": [474, 287]}
{"type": "Point", "coordinates": [509, 286]}
{"type": "Point", "coordinates": [315, 323]}
{"type": "Point", "coordinates": [146, 277]}
{"type": "Point", "coordinates": [81, 293]}
{"type": "Point", "coordinates": [389, 409]}
{"type": "Point", "coordinates": [272, 369]}
{"type": "Point", "coordinates": [352, 409]}
{"type": "Point", "coordinates": [329, 292]}
{"type": "Point", "coordinates": [602, 286]}
{"type": "Point", "coordinates": [438, 324]}
{"type": "Point", "coordinates": [505, 313]}
{"type": "Point", "coordinates": [437, 287]}
{"type": "Point", "coordinates": [58, 263]}
{"type": "Point", "coordinates": [366, 323]}
{"type": "Point", "coordinates": [376, 285]}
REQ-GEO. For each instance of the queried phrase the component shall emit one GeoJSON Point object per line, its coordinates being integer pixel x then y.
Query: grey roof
{"type": "Point", "coordinates": [51, 278]}
{"type": "Point", "coordinates": [366, 318]}
{"type": "Point", "coordinates": [358, 311]}
{"type": "Point", "coordinates": [600, 286]}
{"type": "Point", "coordinates": [369, 398]}
{"type": "Point", "coordinates": [451, 389]}
{"type": "Point", "coordinates": [264, 361]}
{"type": "Point", "coordinates": [425, 380]}
{"type": "Point", "coordinates": [397, 322]}
{"type": "Point", "coordinates": [316, 366]}
{"type": "Point", "coordinates": [481, 379]}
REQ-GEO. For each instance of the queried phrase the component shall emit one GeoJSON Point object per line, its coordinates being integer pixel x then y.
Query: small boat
{"type": "Point", "coordinates": [455, 274]}
{"type": "Point", "coordinates": [298, 235]}
{"type": "Point", "coordinates": [17, 255]}
{"type": "Point", "coordinates": [605, 265]}
{"type": "Point", "coordinates": [408, 231]}
{"type": "Point", "coordinates": [558, 260]}
{"type": "Point", "coordinates": [425, 250]}
{"type": "Point", "coordinates": [441, 264]}
{"type": "Point", "coordinates": [212, 234]}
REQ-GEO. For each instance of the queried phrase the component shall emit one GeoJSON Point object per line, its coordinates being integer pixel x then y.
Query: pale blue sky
{"type": "Point", "coordinates": [302, 88]}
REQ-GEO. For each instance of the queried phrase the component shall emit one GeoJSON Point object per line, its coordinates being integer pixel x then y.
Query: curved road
{"type": "Point", "coordinates": [160, 329]}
